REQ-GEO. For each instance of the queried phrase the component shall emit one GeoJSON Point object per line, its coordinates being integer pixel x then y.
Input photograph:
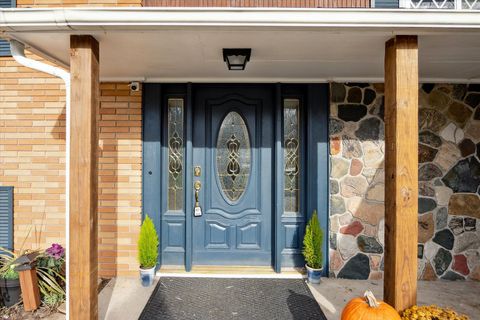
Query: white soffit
{"type": "Point", "coordinates": [168, 47]}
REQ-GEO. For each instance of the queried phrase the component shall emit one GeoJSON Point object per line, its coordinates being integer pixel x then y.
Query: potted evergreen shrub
{"type": "Point", "coordinates": [147, 251]}
{"type": "Point", "coordinates": [9, 283]}
{"type": "Point", "coordinates": [312, 249]}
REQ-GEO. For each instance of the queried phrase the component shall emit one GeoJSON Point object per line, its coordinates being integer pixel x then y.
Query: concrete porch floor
{"type": "Point", "coordinates": [125, 298]}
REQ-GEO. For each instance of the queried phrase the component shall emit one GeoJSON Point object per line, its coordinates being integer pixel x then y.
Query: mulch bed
{"type": "Point", "coordinates": [16, 312]}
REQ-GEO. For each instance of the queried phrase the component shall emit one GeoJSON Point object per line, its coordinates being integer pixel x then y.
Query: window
{"type": "Point", "coordinates": [291, 154]}
{"type": "Point", "coordinates": [233, 156]}
{"type": "Point", "coordinates": [175, 154]}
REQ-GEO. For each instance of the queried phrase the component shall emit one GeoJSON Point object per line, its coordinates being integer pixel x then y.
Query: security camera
{"type": "Point", "coordinates": [134, 86]}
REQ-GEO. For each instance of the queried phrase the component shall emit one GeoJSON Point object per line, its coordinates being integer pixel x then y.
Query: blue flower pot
{"type": "Point", "coordinates": [314, 275]}
{"type": "Point", "coordinates": [147, 276]}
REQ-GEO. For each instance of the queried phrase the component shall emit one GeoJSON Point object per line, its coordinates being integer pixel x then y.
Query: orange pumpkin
{"type": "Point", "coordinates": [368, 308]}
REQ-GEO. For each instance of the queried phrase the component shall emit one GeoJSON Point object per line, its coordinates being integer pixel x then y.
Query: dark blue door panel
{"type": "Point", "coordinates": [151, 169]}
{"type": "Point", "coordinates": [170, 224]}
{"type": "Point", "coordinates": [236, 225]}
{"type": "Point", "coordinates": [318, 160]}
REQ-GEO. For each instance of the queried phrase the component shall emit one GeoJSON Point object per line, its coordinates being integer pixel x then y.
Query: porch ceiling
{"type": "Point", "coordinates": [307, 47]}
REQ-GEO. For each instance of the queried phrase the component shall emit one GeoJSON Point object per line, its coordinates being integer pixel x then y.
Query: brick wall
{"type": "Point", "coordinates": [32, 159]}
{"type": "Point", "coordinates": [119, 182]}
{"type": "Point", "coordinates": [198, 3]}
{"type": "Point", "coordinates": [32, 152]}
{"type": "Point", "coordinates": [260, 3]}
{"type": "Point", "coordinates": [78, 3]}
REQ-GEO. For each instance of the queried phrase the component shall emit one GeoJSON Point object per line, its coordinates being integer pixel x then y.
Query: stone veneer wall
{"type": "Point", "coordinates": [449, 179]}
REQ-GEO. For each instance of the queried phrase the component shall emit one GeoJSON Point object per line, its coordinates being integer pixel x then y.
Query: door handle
{"type": "Point", "coordinates": [197, 212]}
{"type": "Point", "coordinates": [197, 203]}
{"type": "Point", "coordinates": [197, 186]}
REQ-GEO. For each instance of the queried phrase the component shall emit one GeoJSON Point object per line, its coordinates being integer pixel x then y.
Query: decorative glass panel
{"type": "Point", "coordinates": [471, 4]}
{"type": "Point", "coordinates": [233, 156]}
{"type": "Point", "coordinates": [291, 154]}
{"type": "Point", "coordinates": [175, 154]}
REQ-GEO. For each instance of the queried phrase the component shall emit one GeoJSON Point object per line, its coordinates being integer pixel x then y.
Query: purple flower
{"type": "Point", "coordinates": [56, 251]}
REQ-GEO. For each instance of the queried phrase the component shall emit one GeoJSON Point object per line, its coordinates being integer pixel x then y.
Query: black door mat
{"type": "Point", "coordinates": [216, 298]}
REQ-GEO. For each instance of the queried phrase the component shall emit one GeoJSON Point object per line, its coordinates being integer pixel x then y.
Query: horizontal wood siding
{"type": "Point", "coordinates": [260, 3]}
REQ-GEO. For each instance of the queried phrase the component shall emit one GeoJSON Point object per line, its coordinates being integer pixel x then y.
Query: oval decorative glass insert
{"type": "Point", "coordinates": [233, 156]}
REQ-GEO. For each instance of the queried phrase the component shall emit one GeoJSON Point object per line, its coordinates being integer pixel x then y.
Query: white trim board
{"type": "Point", "coordinates": [168, 45]}
{"type": "Point", "coordinates": [280, 80]}
{"type": "Point", "coordinates": [83, 19]}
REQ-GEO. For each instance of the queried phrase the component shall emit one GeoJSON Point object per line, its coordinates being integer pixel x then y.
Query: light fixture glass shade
{"type": "Point", "coordinates": [236, 59]}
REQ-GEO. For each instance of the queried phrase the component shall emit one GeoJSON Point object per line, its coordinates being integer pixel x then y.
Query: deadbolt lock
{"type": "Point", "coordinates": [197, 171]}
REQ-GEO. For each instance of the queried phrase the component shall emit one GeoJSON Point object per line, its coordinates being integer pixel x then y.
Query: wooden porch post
{"type": "Point", "coordinates": [401, 171]}
{"type": "Point", "coordinates": [85, 94]}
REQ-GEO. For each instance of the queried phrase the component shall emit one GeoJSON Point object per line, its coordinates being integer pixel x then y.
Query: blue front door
{"type": "Point", "coordinates": [233, 163]}
{"type": "Point", "coordinates": [258, 154]}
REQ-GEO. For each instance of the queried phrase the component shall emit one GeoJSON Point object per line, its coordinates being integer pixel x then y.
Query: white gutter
{"type": "Point", "coordinates": [18, 53]}
{"type": "Point", "coordinates": [90, 19]}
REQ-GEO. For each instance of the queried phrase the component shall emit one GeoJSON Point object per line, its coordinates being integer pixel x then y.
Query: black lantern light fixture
{"type": "Point", "coordinates": [236, 59]}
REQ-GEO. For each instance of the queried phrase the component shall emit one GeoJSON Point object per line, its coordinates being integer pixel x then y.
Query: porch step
{"type": "Point", "coordinates": [230, 272]}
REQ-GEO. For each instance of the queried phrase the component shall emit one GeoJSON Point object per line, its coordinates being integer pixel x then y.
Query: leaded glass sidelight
{"type": "Point", "coordinates": [175, 154]}
{"type": "Point", "coordinates": [233, 156]}
{"type": "Point", "coordinates": [291, 154]}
